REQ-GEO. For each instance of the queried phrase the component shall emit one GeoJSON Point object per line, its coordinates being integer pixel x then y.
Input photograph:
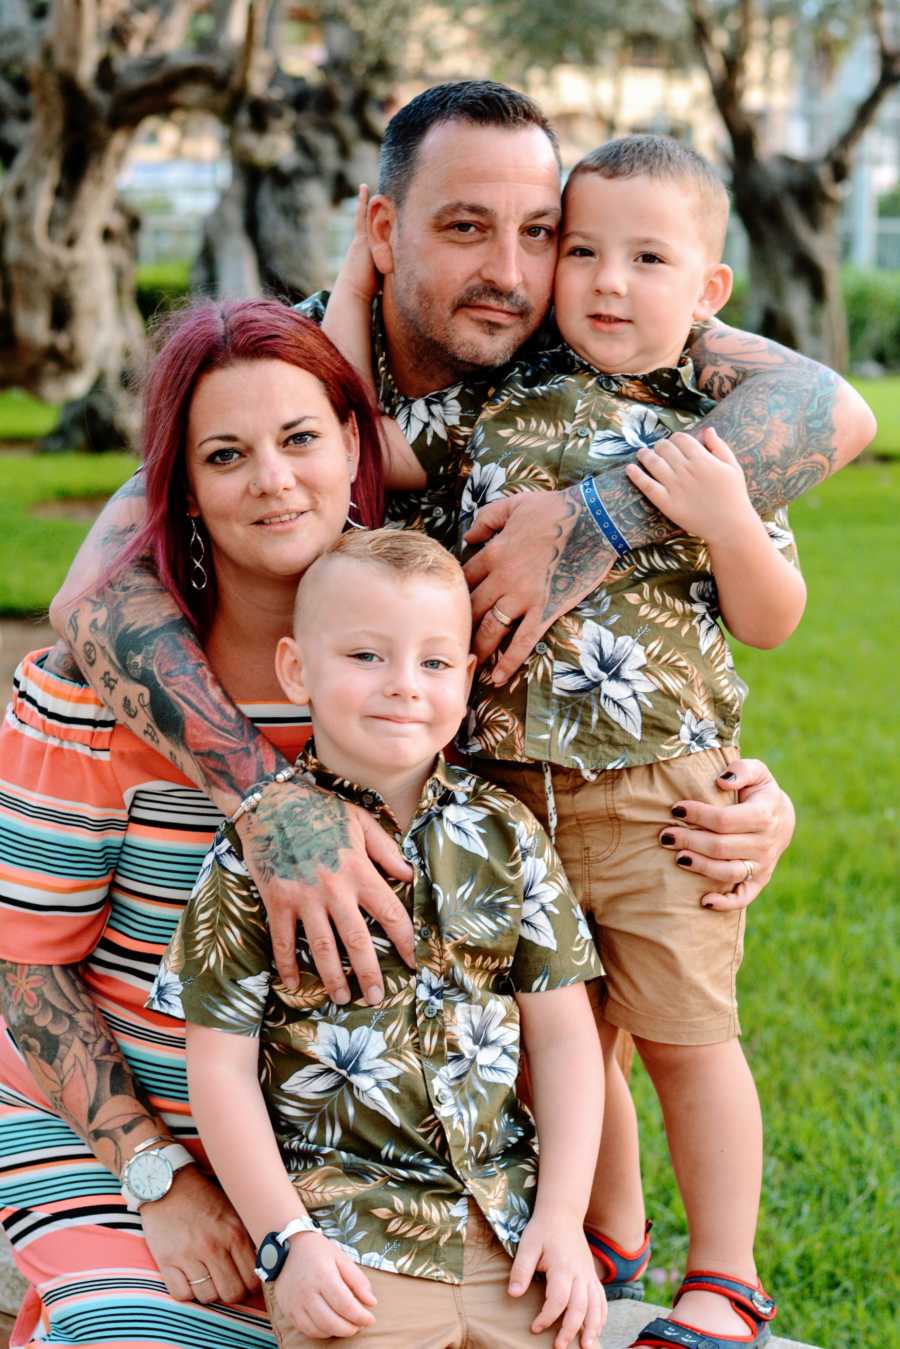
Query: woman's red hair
{"type": "Point", "coordinates": [212, 336]}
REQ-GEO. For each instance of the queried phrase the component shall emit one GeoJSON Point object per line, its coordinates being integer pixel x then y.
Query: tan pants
{"type": "Point", "coordinates": [426, 1314]}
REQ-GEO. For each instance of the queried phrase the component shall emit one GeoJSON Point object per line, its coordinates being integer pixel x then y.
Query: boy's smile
{"type": "Point", "coordinates": [635, 271]}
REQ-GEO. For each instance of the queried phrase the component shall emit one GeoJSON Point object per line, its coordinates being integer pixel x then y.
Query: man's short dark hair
{"type": "Point", "coordinates": [481, 102]}
{"type": "Point", "coordinates": [663, 157]}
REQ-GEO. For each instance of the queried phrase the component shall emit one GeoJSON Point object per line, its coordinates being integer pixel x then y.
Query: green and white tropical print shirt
{"type": "Point", "coordinates": [390, 1119]}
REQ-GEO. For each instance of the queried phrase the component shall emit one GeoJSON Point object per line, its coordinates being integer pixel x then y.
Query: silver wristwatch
{"type": "Point", "coordinates": [149, 1171]}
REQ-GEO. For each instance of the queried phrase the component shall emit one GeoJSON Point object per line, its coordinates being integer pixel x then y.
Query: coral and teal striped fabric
{"type": "Point", "coordinates": [100, 842]}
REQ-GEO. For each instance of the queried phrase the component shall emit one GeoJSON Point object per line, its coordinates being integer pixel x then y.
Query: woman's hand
{"type": "Point", "coordinates": [322, 1291]}
{"type": "Point", "coordinates": [198, 1242]}
{"type": "Point", "coordinates": [357, 273]}
{"type": "Point", "coordinates": [721, 841]}
{"type": "Point", "coordinates": [313, 859]}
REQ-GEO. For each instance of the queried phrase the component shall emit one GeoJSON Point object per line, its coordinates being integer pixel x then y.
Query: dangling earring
{"type": "Point", "coordinates": [197, 550]}
{"type": "Point", "coordinates": [354, 524]}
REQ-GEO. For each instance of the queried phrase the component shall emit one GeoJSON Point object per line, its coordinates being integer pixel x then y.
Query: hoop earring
{"type": "Point", "coordinates": [354, 524]}
{"type": "Point", "coordinates": [197, 551]}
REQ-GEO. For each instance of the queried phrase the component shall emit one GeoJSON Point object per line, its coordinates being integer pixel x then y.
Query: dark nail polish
{"type": "Point", "coordinates": [679, 812]}
{"type": "Point", "coordinates": [727, 777]}
{"type": "Point", "coordinates": [684, 861]}
{"type": "Point", "coordinates": [667, 839]}
{"type": "Point", "coordinates": [707, 905]}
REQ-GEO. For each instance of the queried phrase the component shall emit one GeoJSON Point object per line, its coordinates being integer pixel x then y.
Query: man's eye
{"type": "Point", "coordinates": [540, 231]}
{"type": "Point", "coordinates": [464, 227]}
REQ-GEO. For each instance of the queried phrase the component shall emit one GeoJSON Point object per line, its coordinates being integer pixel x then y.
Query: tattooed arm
{"type": "Point", "coordinates": [789, 421]}
{"type": "Point", "coordinates": [79, 1068]}
{"type": "Point", "coordinates": [308, 851]}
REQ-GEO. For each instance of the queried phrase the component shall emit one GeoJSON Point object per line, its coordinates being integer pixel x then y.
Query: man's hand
{"type": "Point", "coordinates": [321, 1291]}
{"type": "Point", "coordinates": [312, 857]}
{"type": "Point", "coordinates": [198, 1242]}
{"type": "Point", "coordinates": [554, 1243]}
{"type": "Point", "coordinates": [718, 841]}
{"type": "Point", "coordinates": [542, 554]}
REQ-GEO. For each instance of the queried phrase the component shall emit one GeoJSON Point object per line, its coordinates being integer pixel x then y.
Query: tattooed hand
{"type": "Point", "coordinates": [542, 556]}
{"type": "Point", "coordinates": [313, 859]}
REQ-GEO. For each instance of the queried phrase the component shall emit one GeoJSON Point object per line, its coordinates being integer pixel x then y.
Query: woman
{"type": "Point", "coordinates": [255, 428]}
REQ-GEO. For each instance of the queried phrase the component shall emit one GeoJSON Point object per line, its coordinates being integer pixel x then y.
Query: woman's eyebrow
{"type": "Point", "coordinates": [286, 426]}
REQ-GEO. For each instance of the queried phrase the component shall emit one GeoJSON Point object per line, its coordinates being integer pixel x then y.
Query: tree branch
{"type": "Point", "coordinates": [156, 85]}
{"type": "Point", "coordinates": [726, 73]}
{"type": "Point", "coordinates": [838, 156]}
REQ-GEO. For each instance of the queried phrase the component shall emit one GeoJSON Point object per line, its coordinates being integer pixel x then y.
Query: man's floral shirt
{"type": "Point", "coordinates": [640, 670]}
{"type": "Point", "coordinates": [391, 1118]}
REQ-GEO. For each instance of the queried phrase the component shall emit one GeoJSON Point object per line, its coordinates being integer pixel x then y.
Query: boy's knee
{"type": "Point", "coordinates": [668, 1058]}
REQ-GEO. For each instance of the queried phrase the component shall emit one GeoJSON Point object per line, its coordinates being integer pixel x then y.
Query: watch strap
{"type": "Point", "coordinates": [273, 1249]}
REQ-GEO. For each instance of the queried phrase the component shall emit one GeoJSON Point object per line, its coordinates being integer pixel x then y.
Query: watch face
{"type": "Point", "coordinates": [148, 1176]}
{"type": "Point", "coordinates": [270, 1257]}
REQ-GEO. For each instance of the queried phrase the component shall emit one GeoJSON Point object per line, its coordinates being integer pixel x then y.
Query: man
{"type": "Point", "coordinates": [463, 233]}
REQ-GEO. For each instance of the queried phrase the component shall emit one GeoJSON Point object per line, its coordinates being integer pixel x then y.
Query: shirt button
{"type": "Point", "coordinates": [542, 648]}
{"type": "Point", "coordinates": [424, 932]}
{"type": "Point", "coordinates": [583, 432]}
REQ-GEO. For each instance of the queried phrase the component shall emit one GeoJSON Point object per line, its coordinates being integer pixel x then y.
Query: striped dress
{"type": "Point", "coordinates": [100, 842]}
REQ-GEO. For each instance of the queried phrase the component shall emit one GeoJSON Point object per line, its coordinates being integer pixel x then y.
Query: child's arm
{"type": "Point", "coordinates": [566, 1066]}
{"type": "Point", "coordinates": [320, 1289]}
{"type": "Point", "coordinates": [347, 322]}
{"type": "Point", "coordinates": [702, 489]}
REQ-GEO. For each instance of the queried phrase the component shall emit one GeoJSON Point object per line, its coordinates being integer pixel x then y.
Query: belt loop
{"type": "Point", "coordinates": [550, 798]}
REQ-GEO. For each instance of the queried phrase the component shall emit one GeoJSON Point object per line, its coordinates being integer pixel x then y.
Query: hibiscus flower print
{"type": "Point", "coordinates": [638, 427]}
{"type": "Point", "coordinates": [348, 1059]}
{"type": "Point", "coordinates": [697, 733]}
{"type": "Point", "coordinates": [461, 824]}
{"type": "Point", "coordinates": [538, 902]}
{"type": "Point", "coordinates": [430, 415]}
{"type": "Point", "coordinates": [612, 667]}
{"type": "Point", "coordinates": [484, 484]}
{"type": "Point", "coordinates": [165, 995]}
{"type": "Point", "coordinates": [704, 603]}
{"type": "Point", "coordinates": [487, 1044]}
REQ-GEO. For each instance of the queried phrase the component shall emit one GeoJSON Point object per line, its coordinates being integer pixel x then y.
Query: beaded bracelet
{"type": "Point", "coordinates": [602, 518]}
{"type": "Point", "coordinates": [255, 794]}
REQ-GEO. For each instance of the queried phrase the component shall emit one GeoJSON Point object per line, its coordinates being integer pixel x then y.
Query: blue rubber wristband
{"type": "Point", "coordinates": [602, 518]}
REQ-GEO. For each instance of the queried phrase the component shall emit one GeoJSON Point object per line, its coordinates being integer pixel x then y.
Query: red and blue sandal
{"type": "Point", "coordinates": [623, 1269]}
{"type": "Point", "coordinates": [751, 1302]}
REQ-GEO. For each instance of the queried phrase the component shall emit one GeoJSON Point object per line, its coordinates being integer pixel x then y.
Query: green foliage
{"type": "Point", "coordinates": [872, 299]}
{"type": "Point", "coordinates": [889, 203]}
{"type": "Point", "coordinates": [818, 988]}
{"type": "Point", "coordinates": [161, 286]}
{"type": "Point", "coordinates": [35, 550]}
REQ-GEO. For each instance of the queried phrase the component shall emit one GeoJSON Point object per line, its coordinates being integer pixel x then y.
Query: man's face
{"type": "Point", "coordinates": [469, 255]}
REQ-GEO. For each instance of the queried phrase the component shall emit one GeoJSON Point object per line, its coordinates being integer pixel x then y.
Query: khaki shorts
{"type": "Point", "coordinates": [428, 1314]}
{"type": "Point", "coordinates": [671, 965]}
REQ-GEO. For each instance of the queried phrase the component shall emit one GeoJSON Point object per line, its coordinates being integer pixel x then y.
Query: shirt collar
{"type": "Point", "coordinates": [443, 784]}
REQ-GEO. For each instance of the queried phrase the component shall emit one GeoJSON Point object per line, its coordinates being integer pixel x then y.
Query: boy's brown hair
{"type": "Point", "coordinates": [663, 157]}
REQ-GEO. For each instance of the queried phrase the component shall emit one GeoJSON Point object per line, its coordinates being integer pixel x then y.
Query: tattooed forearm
{"type": "Point", "coordinates": [296, 832]}
{"type": "Point", "coordinates": [582, 556]}
{"type": "Point", "coordinates": [143, 659]}
{"type": "Point", "coordinates": [73, 1058]}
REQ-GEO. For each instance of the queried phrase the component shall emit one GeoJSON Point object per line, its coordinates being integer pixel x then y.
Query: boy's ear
{"type": "Point", "coordinates": [289, 669]}
{"type": "Point", "coordinates": [381, 221]}
{"type": "Point", "coordinates": [470, 672]}
{"type": "Point", "coordinates": [715, 294]}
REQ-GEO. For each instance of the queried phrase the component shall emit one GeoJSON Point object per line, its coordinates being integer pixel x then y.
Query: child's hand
{"type": "Point", "coordinates": [358, 275]}
{"type": "Point", "coordinates": [699, 487]}
{"type": "Point", "coordinates": [555, 1244]}
{"type": "Point", "coordinates": [322, 1291]}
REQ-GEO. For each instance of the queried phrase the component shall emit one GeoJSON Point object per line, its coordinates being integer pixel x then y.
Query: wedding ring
{"type": "Point", "coordinates": [501, 616]}
{"type": "Point", "coordinates": [748, 874]}
{"type": "Point", "coordinates": [207, 1278]}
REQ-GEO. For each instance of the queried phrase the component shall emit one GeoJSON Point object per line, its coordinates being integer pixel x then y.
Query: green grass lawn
{"type": "Point", "coordinates": [818, 987]}
{"type": "Point", "coordinates": [883, 396]}
{"type": "Point", "coordinates": [35, 551]}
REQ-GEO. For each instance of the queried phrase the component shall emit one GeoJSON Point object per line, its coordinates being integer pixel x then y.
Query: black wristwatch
{"type": "Point", "coordinates": [274, 1248]}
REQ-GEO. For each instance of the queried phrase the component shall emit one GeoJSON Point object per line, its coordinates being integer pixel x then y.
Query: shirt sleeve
{"type": "Point", "coordinates": [218, 966]}
{"type": "Point", "coordinates": [63, 818]}
{"type": "Point", "coordinates": [778, 527]}
{"type": "Point", "coordinates": [555, 946]}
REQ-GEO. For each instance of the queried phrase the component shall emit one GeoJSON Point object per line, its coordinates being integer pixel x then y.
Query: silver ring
{"type": "Point", "coordinates": [501, 616]}
{"type": "Point", "coordinates": [207, 1278]}
{"type": "Point", "coordinates": [748, 873]}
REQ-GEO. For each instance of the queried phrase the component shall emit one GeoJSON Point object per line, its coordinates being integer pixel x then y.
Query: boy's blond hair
{"type": "Point", "coordinates": [405, 552]}
{"type": "Point", "coordinates": [665, 158]}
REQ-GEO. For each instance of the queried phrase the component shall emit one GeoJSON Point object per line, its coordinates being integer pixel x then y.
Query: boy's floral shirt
{"type": "Point", "coordinates": [640, 670]}
{"type": "Point", "coordinates": [391, 1118]}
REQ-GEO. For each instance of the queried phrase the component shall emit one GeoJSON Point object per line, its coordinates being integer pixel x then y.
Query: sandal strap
{"type": "Point", "coordinates": [664, 1334]}
{"type": "Point", "coordinates": [622, 1266]}
{"type": "Point", "coordinates": [748, 1297]}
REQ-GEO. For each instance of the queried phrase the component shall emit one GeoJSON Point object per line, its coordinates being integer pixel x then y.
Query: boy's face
{"type": "Point", "coordinates": [384, 664]}
{"type": "Point", "coordinates": [635, 271]}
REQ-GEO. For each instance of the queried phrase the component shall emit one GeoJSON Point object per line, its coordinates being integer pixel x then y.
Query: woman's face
{"type": "Point", "coordinates": [269, 468]}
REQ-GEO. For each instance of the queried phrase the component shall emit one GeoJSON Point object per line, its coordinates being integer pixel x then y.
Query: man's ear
{"type": "Point", "coordinates": [716, 291]}
{"type": "Point", "coordinates": [381, 223]}
{"type": "Point", "coordinates": [289, 669]}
